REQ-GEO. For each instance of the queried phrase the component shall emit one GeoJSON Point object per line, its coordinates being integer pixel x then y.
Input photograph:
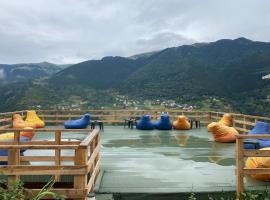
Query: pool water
{"type": "Point", "coordinates": [164, 161]}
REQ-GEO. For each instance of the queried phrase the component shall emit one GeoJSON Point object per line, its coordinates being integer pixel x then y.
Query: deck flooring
{"type": "Point", "coordinates": [136, 161]}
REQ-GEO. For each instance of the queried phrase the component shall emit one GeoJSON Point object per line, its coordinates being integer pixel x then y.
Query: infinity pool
{"type": "Point", "coordinates": [165, 161]}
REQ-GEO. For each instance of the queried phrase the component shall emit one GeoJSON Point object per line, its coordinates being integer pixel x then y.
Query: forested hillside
{"type": "Point", "coordinates": [230, 70]}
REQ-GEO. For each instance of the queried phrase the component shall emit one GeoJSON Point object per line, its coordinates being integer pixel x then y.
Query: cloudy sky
{"type": "Point", "coordinates": [70, 31]}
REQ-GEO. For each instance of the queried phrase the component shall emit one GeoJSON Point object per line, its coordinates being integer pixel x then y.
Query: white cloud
{"type": "Point", "coordinates": [69, 31]}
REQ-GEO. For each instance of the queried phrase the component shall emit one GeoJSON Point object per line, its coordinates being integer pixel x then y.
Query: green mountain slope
{"type": "Point", "coordinates": [227, 70]}
{"type": "Point", "coordinates": [220, 68]}
{"type": "Point", "coordinates": [106, 73]}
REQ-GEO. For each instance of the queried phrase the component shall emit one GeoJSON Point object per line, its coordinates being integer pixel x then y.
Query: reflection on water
{"type": "Point", "coordinates": [195, 145]}
{"type": "Point", "coordinates": [160, 140]}
{"type": "Point", "coordinates": [184, 145]}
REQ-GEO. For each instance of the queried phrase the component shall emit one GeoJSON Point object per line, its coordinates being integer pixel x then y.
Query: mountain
{"type": "Point", "coordinates": [106, 73]}
{"type": "Point", "coordinates": [219, 68]}
{"type": "Point", "coordinates": [26, 71]}
{"type": "Point", "coordinates": [216, 68]}
{"type": "Point", "coordinates": [225, 71]}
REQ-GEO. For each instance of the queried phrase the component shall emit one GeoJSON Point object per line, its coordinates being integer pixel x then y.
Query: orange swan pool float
{"type": "Point", "coordinates": [259, 162]}
{"type": "Point", "coordinates": [226, 120]}
{"type": "Point", "coordinates": [181, 123]}
{"type": "Point", "coordinates": [222, 133]}
{"type": "Point", "coordinates": [32, 117]}
{"type": "Point", "coordinates": [18, 122]}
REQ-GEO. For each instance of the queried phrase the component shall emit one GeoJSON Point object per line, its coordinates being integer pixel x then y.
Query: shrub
{"type": "Point", "coordinates": [16, 191]}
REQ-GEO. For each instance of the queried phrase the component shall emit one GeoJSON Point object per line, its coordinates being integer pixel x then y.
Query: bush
{"type": "Point", "coordinates": [16, 191]}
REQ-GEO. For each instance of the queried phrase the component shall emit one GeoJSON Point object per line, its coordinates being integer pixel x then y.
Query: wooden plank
{"type": "Point", "coordinates": [241, 129]}
{"type": "Point", "coordinates": [47, 130]}
{"type": "Point", "coordinates": [38, 146]}
{"type": "Point", "coordinates": [256, 171]}
{"type": "Point", "coordinates": [80, 181]}
{"type": "Point", "coordinates": [6, 120]}
{"type": "Point", "coordinates": [57, 152]}
{"type": "Point", "coordinates": [86, 142]}
{"type": "Point", "coordinates": [5, 127]}
{"type": "Point", "coordinates": [244, 122]}
{"type": "Point", "coordinates": [92, 180]}
{"type": "Point", "coordinates": [14, 157]}
{"type": "Point", "coordinates": [253, 136]}
{"type": "Point", "coordinates": [239, 168]}
{"type": "Point", "coordinates": [42, 143]}
{"type": "Point", "coordinates": [40, 158]}
{"type": "Point", "coordinates": [256, 153]}
{"type": "Point", "coordinates": [43, 170]}
{"type": "Point", "coordinates": [215, 118]}
{"type": "Point", "coordinates": [91, 161]}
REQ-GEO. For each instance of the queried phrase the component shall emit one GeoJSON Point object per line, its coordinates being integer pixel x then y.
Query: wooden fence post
{"type": "Point", "coordinates": [57, 153]}
{"type": "Point", "coordinates": [14, 157]}
{"type": "Point", "coordinates": [80, 181]}
{"type": "Point", "coordinates": [244, 123]}
{"type": "Point", "coordinates": [209, 117]}
{"type": "Point", "coordinates": [239, 167]}
{"type": "Point", "coordinates": [233, 120]}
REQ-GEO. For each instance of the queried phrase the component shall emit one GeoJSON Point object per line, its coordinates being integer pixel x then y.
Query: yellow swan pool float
{"type": "Point", "coordinates": [32, 117]}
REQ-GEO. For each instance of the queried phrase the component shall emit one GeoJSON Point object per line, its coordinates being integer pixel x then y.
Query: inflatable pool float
{"type": "Point", "coordinates": [9, 137]}
{"type": "Point", "coordinates": [259, 128]}
{"type": "Point", "coordinates": [27, 134]}
{"type": "Point", "coordinates": [18, 122]}
{"type": "Point", "coordinates": [226, 120]}
{"type": "Point", "coordinates": [23, 134]}
{"type": "Point", "coordinates": [145, 123]}
{"type": "Point", "coordinates": [163, 123]}
{"type": "Point", "coordinates": [211, 126]}
{"type": "Point", "coordinates": [181, 123]}
{"type": "Point", "coordinates": [222, 133]}
{"type": "Point", "coordinates": [31, 117]}
{"type": "Point", "coordinates": [81, 123]}
{"type": "Point", "coordinates": [259, 162]}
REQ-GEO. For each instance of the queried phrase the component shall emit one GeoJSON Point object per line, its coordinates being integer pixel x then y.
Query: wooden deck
{"type": "Point", "coordinates": [83, 159]}
{"type": "Point", "coordinates": [167, 162]}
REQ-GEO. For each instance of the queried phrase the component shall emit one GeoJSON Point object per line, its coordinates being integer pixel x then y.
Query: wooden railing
{"type": "Point", "coordinates": [117, 116]}
{"type": "Point", "coordinates": [82, 163]}
{"type": "Point", "coordinates": [6, 118]}
{"type": "Point", "coordinates": [241, 122]}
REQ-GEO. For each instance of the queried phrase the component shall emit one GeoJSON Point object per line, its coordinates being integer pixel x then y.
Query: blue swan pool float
{"type": "Point", "coordinates": [164, 122]}
{"type": "Point", "coordinates": [259, 129]}
{"type": "Point", "coordinates": [145, 123]}
{"type": "Point", "coordinates": [78, 123]}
